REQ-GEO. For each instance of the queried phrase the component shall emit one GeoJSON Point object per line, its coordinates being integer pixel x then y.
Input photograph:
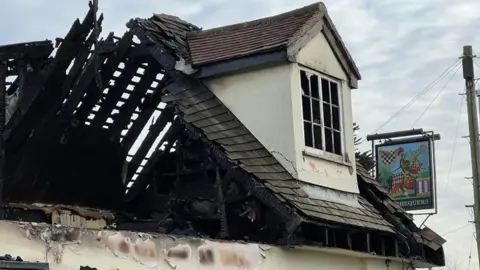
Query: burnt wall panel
{"type": "Point", "coordinates": [82, 168]}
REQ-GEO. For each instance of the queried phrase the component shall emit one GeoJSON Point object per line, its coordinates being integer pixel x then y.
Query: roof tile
{"type": "Point", "coordinates": [248, 38]}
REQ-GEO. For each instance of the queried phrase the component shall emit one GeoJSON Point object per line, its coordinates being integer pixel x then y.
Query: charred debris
{"type": "Point", "coordinates": [74, 109]}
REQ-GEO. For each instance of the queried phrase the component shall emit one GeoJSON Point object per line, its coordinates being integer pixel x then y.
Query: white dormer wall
{"type": "Point", "coordinates": [262, 100]}
{"type": "Point", "coordinates": [268, 101]}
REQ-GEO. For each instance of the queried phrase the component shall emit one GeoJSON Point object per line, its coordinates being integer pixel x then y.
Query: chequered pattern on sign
{"type": "Point", "coordinates": [388, 156]}
{"type": "Point", "coordinates": [415, 165]}
{"type": "Point", "coordinates": [400, 180]}
{"type": "Point", "coordinates": [397, 177]}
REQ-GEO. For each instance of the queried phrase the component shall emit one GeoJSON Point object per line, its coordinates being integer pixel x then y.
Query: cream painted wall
{"type": "Point", "coordinates": [318, 56]}
{"type": "Point", "coordinates": [33, 242]}
{"type": "Point", "coordinates": [268, 102]}
{"type": "Point", "coordinates": [261, 100]}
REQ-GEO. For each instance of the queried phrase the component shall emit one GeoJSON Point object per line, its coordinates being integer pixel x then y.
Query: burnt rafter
{"type": "Point", "coordinates": [35, 102]}
{"type": "Point", "coordinates": [221, 204]}
{"type": "Point", "coordinates": [75, 71]}
{"type": "Point", "coordinates": [142, 119]}
{"type": "Point", "coordinates": [165, 117]}
{"type": "Point", "coordinates": [122, 119]}
{"type": "Point", "coordinates": [56, 93]}
{"type": "Point", "coordinates": [26, 50]}
{"type": "Point", "coordinates": [82, 85]}
{"type": "Point", "coordinates": [121, 85]}
{"type": "Point", "coordinates": [144, 178]}
{"type": "Point", "coordinates": [107, 71]}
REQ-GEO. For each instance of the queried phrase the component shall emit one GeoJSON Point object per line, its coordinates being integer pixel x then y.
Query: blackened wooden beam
{"type": "Point", "coordinates": [221, 205]}
{"type": "Point", "coordinates": [327, 237]}
{"type": "Point", "coordinates": [382, 242]}
{"type": "Point", "coordinates": [349, 240]}
{"type": "Point", "coordinates": [80, 59]}
{"type": "Point", "coordinates": [184, 172]}
{"type": "Point", "coordinates": [29, 107]}
{"type": "Point", "coordinates": [122, 119]}
{"type": "Point", "coordinates": [3, 93]}
{"type": "Point", "coordinates": [247, 182]}
{"type": "Point", "coordinates": [123, 46]}
{"type": "Point", "coordinates": [26, 50]}
{"type": "Point", "coordinates": [143, 179]}
{"type": "Point", "coordinates": [157, 50]}
{"type": "Point", "coordinates": [395, 248]}
{"type": "Point", "coordinates": [82, 85]}
{"type": "Point", "coordinates": [142, 119]}
{"type": "Point", "coordinates": [75, 71]}
{"type": "Point", "coordinates": [155, 130]}
{"type": "Point", "coordinates": [369, 249]}
{"type": "Point", "coordinates": [66, 52]}
{"type": "Point", "coordinates": [115, 93]}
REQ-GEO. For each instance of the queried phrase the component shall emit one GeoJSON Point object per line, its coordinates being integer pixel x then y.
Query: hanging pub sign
{"type": "Point", "coordinates": [406, 168]}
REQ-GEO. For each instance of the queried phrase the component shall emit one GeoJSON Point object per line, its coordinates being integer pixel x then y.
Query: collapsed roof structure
{"type": "Point", "coordinates": [74, 116]}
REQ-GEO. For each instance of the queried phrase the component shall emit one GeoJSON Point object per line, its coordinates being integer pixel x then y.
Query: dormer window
{"type": "Point", "coordinates": [321, 103]}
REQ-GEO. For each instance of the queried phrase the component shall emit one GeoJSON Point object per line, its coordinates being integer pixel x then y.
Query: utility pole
{"type": "Point", "coordinates": [469, 76]}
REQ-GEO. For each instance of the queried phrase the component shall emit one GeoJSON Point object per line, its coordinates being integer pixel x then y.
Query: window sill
{"type": "Point", "coordinates": [316, 153]}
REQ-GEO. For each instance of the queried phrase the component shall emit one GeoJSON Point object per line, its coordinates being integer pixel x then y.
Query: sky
{"type": "Point", "coordinates": [400, 47]}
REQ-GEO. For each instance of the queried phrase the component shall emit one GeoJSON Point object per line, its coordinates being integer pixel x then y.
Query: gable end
{"type": "Point", "coordinates": [322, 23]}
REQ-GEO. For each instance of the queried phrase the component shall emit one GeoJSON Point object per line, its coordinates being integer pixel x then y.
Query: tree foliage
{"type": "Point", "coordinates": [364, 158]}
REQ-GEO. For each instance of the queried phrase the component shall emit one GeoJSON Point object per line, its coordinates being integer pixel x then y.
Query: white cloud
{"type": "Point", "coordinates": [401, 46]}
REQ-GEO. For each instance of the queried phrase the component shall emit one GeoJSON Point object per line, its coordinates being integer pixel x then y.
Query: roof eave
{"type": "Point", "coordinates": [222, 68]}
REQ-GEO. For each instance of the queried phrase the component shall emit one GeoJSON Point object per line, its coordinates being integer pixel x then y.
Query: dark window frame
{"type": "Point", "coordinates": [322, 115]}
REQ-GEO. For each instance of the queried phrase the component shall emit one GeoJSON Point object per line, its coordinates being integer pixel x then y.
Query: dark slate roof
{"type": "Point", "coordinates": [251, 37]}
{"type": "Point", "coordinates": [172, 30]}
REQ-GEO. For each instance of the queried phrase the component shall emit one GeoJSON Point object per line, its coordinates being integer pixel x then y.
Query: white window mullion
{"type": "Point", "coordinates": [341, 119]}
{"type": "Point", "coordinates": [310, 100]}
{"type": "Point", "coordinates": [322, 116]}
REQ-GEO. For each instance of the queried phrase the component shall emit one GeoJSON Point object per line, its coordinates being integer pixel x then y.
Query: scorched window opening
{"type": "Point", "coordinates": [321, 112]}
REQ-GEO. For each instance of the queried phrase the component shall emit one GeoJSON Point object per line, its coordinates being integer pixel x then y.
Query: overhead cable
{"type": "Point", "coordinates": [419, 95]}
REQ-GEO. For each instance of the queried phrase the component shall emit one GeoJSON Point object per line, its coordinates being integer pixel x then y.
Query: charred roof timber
{"type": "Point", "coordinates": [75, 139]}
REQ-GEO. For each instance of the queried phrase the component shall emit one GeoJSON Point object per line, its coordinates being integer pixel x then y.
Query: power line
{"type": "Point", "coordinates": [470, 252]}
{"type": "Point", "coordinates": [436, 96]}
{"type": "Point", "coordinates": [456, 230]}
{"type": "Point", "coordinates": [430, 86]}
{"type": "Point", "coordinates": [454, 142]}
{"type": "Point", "coordinates": [476, 64]}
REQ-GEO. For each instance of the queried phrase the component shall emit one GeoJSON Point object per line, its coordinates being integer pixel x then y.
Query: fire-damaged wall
{"type": "Point", "coordinates": [82, 161]}
{"type": "Point", "coordinates": [71, 248]}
